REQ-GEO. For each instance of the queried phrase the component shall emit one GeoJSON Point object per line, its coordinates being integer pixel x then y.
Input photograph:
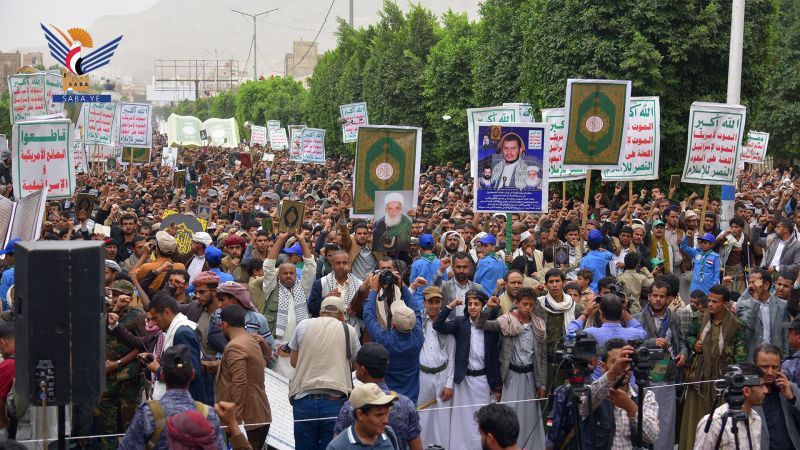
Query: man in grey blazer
{"type": "Point", "coordinates": [763, 314]}
{"type": "Point", "coordinates": [459, 270]}
{"type": "Point", "coordinates": [781, 250]}
{"type": "Point", "coordinates": [780, 412]}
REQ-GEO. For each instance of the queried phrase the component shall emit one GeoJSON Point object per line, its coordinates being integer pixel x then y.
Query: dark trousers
{"type": "Point", "coordinates": [257, 437]}
{"type": "Point", "coordinates": [315, 434]}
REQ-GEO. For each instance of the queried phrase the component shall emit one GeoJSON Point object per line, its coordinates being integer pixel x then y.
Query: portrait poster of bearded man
{"type": "Point", "coordinates": [392, 230]}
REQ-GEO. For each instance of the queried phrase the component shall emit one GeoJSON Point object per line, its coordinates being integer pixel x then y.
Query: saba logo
{"type": "Point", "coordinates": [68, 51]}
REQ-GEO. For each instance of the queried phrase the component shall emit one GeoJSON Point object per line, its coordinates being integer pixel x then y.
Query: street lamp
{"type": "Point", "coordinates": [255, 55]}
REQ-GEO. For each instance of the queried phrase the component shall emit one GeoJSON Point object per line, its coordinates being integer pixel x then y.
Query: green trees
{"type": "Point", "coordinates": [414, 69]}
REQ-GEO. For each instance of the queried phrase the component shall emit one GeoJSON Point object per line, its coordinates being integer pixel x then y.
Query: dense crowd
{"type": "Point", "coordinates": [460, 320]}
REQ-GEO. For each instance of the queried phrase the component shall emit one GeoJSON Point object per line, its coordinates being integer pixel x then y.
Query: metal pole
{"type": "Point", "coordinates": [351, 13]}
{"type": "Point", "coordinates": [255, 54]}
{"type": "Point", "coordinates": [734, 93]}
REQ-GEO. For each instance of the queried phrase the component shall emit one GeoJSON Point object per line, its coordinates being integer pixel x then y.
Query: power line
{"type": "Point", "coordinates": [241, 72]}
{"type": "Point", "coordinates": [330, 8]}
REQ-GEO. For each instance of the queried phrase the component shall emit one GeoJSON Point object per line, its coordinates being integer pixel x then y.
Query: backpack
{"type": "Point", "coordinates": [161, 420]}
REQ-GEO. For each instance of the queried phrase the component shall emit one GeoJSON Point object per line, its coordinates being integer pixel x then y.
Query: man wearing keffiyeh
{"type": "Point", "coordinates": [717, 338]}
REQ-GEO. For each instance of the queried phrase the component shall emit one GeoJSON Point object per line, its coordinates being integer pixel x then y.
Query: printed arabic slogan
{"type": "Point", "coordinates": [355, 115]}
{"type": "Point", "coordinates": [715, 138]}
{"type": "Point", "coordinates": [387, 159]}
{"type": "Point", "coordinates": [296, 142]}
{"type": "Point", "coordinates": [272, 124]}
{"type": "Point", "coordinates": [312, 143]}
{"type": "Point", "coordinates": [555, 120]}
{"type": "Point", "coordinates": [134, 125]}
{"type": "Point", "coordinates": [42, 158]}
{"type": "Point", "coordinates": [99, 123]}
{"type": "Point", "coordinates": [513, 175]}
{"type": "Point", "coordinates": [277, 139]}
{"type": "Point", "coordinates": [492, 114]}
{"type": "Point", "coordinates": [258, 135]}
{"type": "Point", "coordinates": [642, 143]}
{"type": "Point", "coordinates": [596, 123]}
{"type": "Point", "coordinates": [52, 85]}
{"type": "Point", "coordinates": [27, 96]}
{"type": "Point", "coordinates": [525, 111]}
{"type": "Point", "coordinates": [756, 149]}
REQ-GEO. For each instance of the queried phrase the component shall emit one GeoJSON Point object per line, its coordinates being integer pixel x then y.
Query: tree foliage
{"type": "Point", "coordinates": [780, 109]}
{"type": "Point", "coordinates": [274, 98]}
{"type": "Point", "coordinates": [675, 50]}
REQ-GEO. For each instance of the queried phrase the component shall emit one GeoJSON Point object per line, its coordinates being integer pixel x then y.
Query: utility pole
{"type": "Point", "coordinates": [734, 94]}
{"type": "Point", "coordinates": [351, 13]}
{"type": "Point", "coordinates": [255, 43]}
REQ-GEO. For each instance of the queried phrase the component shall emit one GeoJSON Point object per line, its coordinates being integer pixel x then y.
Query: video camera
{"type": "Point", "coordinates": [733, 382]}
{"type": "Point", "coordinates": [576, 353]}
{"type": "Point", "coordinates": [385, 277]}
{"type": "Point", "coordinates": [646, 354]}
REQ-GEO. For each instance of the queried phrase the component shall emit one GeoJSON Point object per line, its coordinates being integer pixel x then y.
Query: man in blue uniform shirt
{"type": "Point", "coordinates": [706, 261]}
{"type": "Point", "coordinates": [491, 267]}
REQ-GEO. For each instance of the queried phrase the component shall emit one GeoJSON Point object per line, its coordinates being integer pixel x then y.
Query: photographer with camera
{"type": "Point", "coordinates": [402, 336]}
{"type": "Point", "coordinates": [744, 389]}
{"type": "Point", "coordinates": [613, 310]}
{"type": "Point", "coordinates": [613, 405]}
{"type": "Point", "coordinates": [663, 325]}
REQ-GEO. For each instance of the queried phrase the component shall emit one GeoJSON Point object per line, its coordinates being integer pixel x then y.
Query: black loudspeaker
{"type": "Point", "coordinates": [60, 320]}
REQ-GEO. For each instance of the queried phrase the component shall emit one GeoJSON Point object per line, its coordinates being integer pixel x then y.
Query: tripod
{"type": "Point", "coordinates": [735, 414]}
{"type": "Point", "coordinates": [578, 388]}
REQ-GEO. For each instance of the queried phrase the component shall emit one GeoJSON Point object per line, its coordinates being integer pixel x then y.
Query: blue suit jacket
{"type": "Point", "coordinates": [460, 328]}
{"type": "Point", "coordinates": [200, 392]}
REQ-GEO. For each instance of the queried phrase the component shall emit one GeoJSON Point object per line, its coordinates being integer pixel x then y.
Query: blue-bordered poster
{"type": "Point", "coordinates": [512, 170]}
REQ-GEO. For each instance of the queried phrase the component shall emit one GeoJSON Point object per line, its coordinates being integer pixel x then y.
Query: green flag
{"type": "Point", "coordinates": [387, 159]}
{"type": "Point", "coordinates": [596, 123]}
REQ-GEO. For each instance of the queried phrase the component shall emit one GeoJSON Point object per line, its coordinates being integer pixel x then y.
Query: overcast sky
{"type": "Point", "coordinates": [21, 28]}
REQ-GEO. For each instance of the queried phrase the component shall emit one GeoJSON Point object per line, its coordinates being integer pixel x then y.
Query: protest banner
{"type": "Point", "coordinates": [3, 143]}
{"type": "Point", "coordinates": [222, 132]}
{"type": "Point", "coordinates": [133, 126]}
{"type": "Point", "coordinates": [52, 85]}
{"type": "Point", "coordinates": [556, 122]}
{"type": "Point", "coordinates": [184, 130]}
{"type": "Point", "coordinates": [714, 144]}
{"type": "Point", "coordinates": [281, 431]}
{"type": "Point", "coordinates": [258, 135]}
{"type": "Point", "coordinates": [135, 155]}
{"type": "Point", "coordinates": [27, 96]}
{"type": "Point", "coordinates": [596, 123]}
{"type": "Point", "coordinates": [296, 142]}
{"type": "Point", "coordinates": [387, 159]}
{"type": "Point", "coordinates": [278, 140]}
{"type": "Point", "coordinates": [392, 229]}
{"type": "Point", "coordinates": [100, 153]}
{"type": "Point", "coordinates": [524, 111]}
{"type": "Point", "coordinates": [756, 149]}
{"type": "Point", "coordinates": [642, 143]}
{"type": "Point", "coordinates": [511, 160]}
{"type": "Point", "coordinates": [312, 143]}
{"type": "Point", "coordinates": [272, 124]}
{"type": "Point", "coordinates": [169, 157]}
{"type": "Point", "coordinates": [354, 115]}
{"type": "Point", "coordinates": [22, 219]}
{"type": "Point", "coordinates": [79, 158]}
{"type": "Point", "coordinates": [98, 127]}
{"type": "Point", "coordinates": [42, 158]}
{"type": "Point", "coordinates": [492, 114]}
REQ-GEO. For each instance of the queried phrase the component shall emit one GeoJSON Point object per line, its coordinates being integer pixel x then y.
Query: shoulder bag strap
{"type": "Point", "coordinates": [160, 421]}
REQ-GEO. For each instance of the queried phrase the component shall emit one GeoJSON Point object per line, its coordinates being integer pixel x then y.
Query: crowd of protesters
{"type": "Point", "coordinates": [464, 318]}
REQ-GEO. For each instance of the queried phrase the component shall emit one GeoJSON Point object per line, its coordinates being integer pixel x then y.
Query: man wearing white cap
{"type": "Point", "coordinates": [197, 262]}
{"type": "Point", "coordinates": [392, 232]}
